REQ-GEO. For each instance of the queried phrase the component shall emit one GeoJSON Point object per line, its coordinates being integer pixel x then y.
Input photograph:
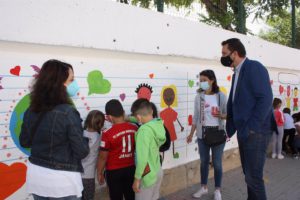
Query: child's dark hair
{"type": "Point", "coordinates": [210, 74]}
{"type": "Point", "coordinates": [276, 102]}
{"type": "Point", "coordinates": [296, 117]}
{"type": "Point", "coordinates": [154, 109]}
{"type": "Point", "coordinates": [114, 108]}
{"type": "Point", "coordinates": [94, 120]}
{"type": "Point", "coordinates": [136, 105]}
{"type": "Point", "coordinates": [144, 108]}
{"type": "Point", "coordinates": [287, 110]}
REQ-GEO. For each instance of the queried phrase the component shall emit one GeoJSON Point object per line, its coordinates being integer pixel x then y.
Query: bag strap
{"type": "Point", "coordinates": [219, 104]}
{"type": "Point", "coordinates": [202, 108]}
{"type": "Point", "coordinates": [35, 126]}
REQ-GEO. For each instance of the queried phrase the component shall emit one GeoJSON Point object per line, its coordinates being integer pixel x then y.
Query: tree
{"type": "Point", "coordinates": [124, 1]}
{"type": "Point", "coordinates": [229, 14]}
{"type": "Point", "coordinates": [280, 30]}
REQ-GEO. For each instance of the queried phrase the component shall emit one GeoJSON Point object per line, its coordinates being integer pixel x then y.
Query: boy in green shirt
{"type": "Point", "coordinates": [150, 136]}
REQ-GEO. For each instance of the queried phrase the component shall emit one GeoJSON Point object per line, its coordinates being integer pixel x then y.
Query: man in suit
{"type": "Point", "coordinates": [249, 113]}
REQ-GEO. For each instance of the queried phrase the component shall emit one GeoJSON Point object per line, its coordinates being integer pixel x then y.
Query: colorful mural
{"type": "Point", "coordinates": [169, 115]}
{"type": "Point", "coordinates": [97, 84]}
{"type": "Point", "coordinates": [12, 178]}
{"type": "Point", "coordinates": [173, 90]}
{"type": "Point", "coordinates": [144, 90]}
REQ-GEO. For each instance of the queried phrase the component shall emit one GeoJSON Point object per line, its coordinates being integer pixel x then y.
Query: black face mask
{"type": "Point", "coordinates": [226, 60]}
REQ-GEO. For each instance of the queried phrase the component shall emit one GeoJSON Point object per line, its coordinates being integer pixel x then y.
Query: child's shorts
{"type": "Point", "coordinates": [151, 193]}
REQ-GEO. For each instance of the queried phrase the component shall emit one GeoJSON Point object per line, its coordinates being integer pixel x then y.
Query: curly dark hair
{"type": "Point", "coordinates": [48, 89]}
{"type": "Point", "coordinates": [143, 85]}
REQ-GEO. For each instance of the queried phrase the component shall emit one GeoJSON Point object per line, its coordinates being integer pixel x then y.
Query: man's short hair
{"type": "Point", "coordinates": [114, 108]}
{"type": "Point", "coordinates": [234, 44]}
{"type": "Point", "coordinates": [144, 108]}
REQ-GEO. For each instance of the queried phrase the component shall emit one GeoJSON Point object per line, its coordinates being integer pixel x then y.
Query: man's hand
{"type": "Point", "coordinates": [136, 185]}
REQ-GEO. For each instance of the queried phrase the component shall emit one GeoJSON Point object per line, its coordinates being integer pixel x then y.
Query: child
{"type": "Point", "coordinates": [150, 136]}
{"type": "Point", "coordinates": [289, 131]}
{"type": "Point", "coordinates": [92, 129]}
{"type": "Point", "coordinates": [277, 138]}
{"type": "Point", "coordinates": [164, 147]}
{"type": "Point", "coordinates": [117, 153]}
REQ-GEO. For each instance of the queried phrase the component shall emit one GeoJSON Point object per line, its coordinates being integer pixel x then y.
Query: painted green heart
{"type": "Point", "coordinates": [191, 83]}
{"type": "Point", "coordinates": [97, 84]}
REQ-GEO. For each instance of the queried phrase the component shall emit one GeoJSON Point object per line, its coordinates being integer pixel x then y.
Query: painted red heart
{"type": "Point", "coordinates": [190, 120]}
{"type": "Point", "coordinates": [281, 89]}
{"type": "Point", "coordinates": [15, 71]}
{"type": "Point", "coordinates": [151, 76]}
{"type": "Point", "coordinates": [12, 178]}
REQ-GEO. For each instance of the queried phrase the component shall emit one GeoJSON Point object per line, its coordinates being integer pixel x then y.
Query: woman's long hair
{"type": "Point", "coordinates": [210, 74]}
{"type": "Point", "coordinates": [48, 89]}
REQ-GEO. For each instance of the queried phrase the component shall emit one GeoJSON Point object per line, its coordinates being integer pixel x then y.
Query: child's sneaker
{"type": "Point", "coordinates": [217, 195]}
{"type": "Point", "coordinates": [280, 156]}
{"type": "Point", "coordinates": [200, 192]}
{"type": "Point", "coordinates": [273, 155]}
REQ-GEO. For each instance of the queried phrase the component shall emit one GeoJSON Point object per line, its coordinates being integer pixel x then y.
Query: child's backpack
{"type": "Point", "coordinates": [166, 146]}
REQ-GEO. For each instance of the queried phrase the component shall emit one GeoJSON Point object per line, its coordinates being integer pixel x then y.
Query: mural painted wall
{"type": "Point", "coordinates": [170, 85]}
{"type": "Point", "coordinates": [162, 68]}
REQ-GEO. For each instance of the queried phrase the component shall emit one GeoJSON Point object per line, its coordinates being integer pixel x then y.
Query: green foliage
{"type": "Point", "coordinates": [175, 3]}
{"type": "Point", "coordinates": [272, 8]}
{"type": "Point", "coordinates": [225, 13]}
{"type": "Point", "coordinates": [280, 29]}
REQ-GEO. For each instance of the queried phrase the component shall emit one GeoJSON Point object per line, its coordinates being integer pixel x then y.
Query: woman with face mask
{"type": "Point", "coordinates": [52, 129]}
{"type": "Point", "coordinates": [209, 116]}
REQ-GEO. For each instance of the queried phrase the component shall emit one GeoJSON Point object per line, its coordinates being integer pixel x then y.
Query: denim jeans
{"type": "Point", "coordinates": [253, 152]}
{"type": "Point", "coordinates": [217, 153]}
{"type": "Point", "coordinates": [36, 197]}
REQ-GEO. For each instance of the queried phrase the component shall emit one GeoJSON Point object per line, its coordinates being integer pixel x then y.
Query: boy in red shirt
{"type": "Point", "coordinates": [117, 154]}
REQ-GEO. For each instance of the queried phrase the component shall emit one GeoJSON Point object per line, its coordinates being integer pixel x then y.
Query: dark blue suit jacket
{"type": "Point", "coordinates": [251, 109]}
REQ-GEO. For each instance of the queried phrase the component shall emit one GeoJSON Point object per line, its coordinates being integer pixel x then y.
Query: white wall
{"type": "Point", "coordinates": [81, 32]}
{"type": "Point", "coordinates": [95, 24]}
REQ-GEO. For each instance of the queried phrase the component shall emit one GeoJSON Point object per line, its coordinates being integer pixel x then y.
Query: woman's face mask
{"type": "Point", "coordinates": [72, 88]}
{"type": "Point", "coordinates": [204, 85]}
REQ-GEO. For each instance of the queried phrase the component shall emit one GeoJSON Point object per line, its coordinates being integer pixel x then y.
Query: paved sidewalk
{"type": "Point", "coordinates": [282, 178]}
